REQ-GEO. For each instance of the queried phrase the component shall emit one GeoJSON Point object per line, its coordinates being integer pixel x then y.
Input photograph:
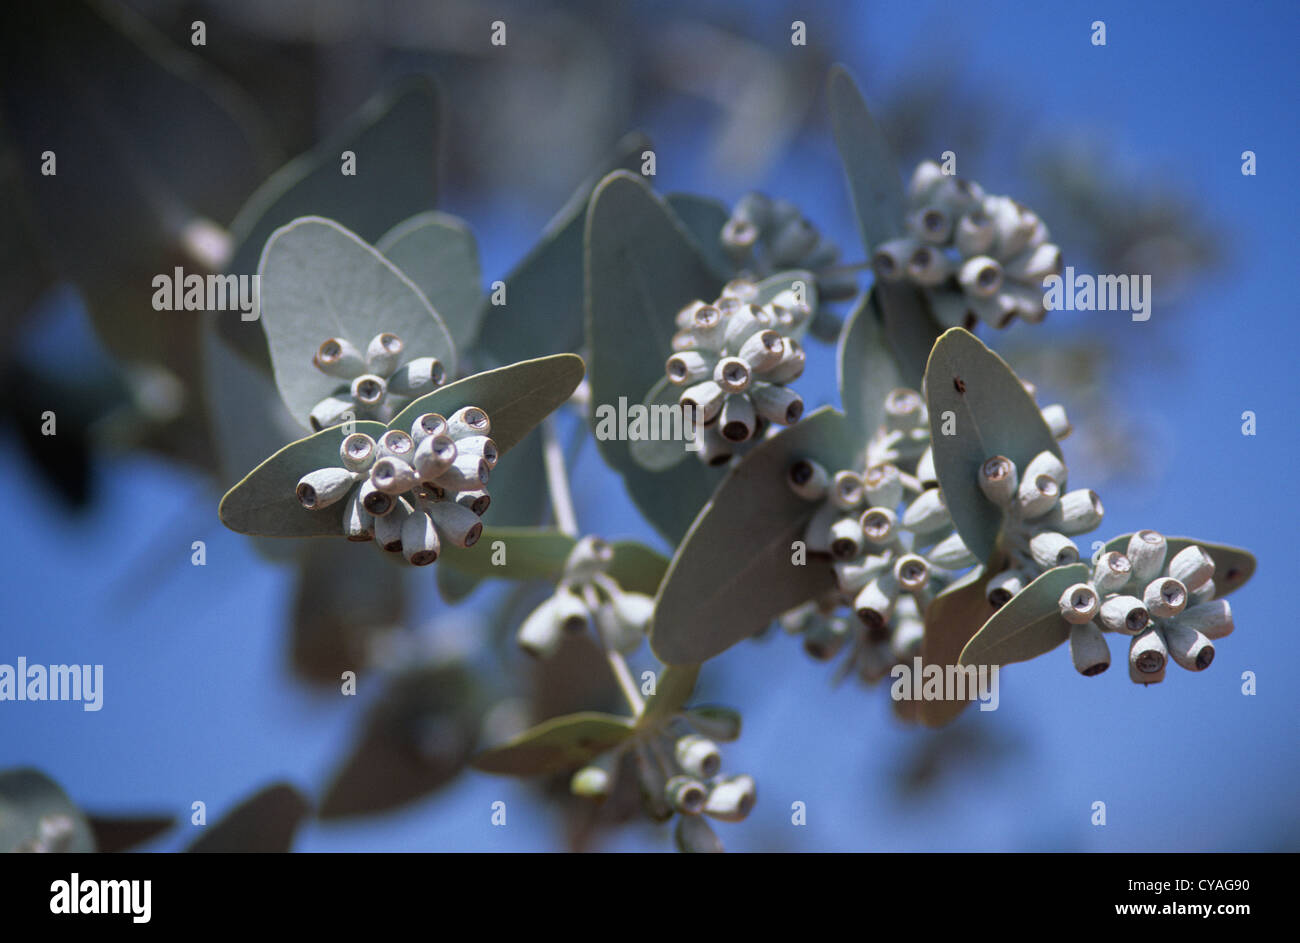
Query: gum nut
{"type": "Point", "coordinates": [476, 501]}
{"type": "Point", "coordinates": [927, 265]}
{"type": "Point", "coordinates": [740, 326]}
{"type": "Point", "coordinates": [907, 638]}
{"type": "Point", "coordinates": [420, 543]}
{"type": "Point", "coordinates": [686, 314]}
{"type": "Point", "coordinates": [686, 794]}
{"type": "Point", "coordinates": [1203, 593]}
{"type": "Point", "coordinates": [1088, 649]}
{"type": "Point", "coordinates": [951, 553]}
{"type": "Point", "coordinates": [466, 473]}
{"type": "Point", "coordinates": [817, 535]}
{"type": "Point", "coordinates": [467, 421]}
{"type": "Point", "coordinates": [852, 575]}
{"type": "Point", "coordinates": [357, 451]}
{"type": "Point", "coordinates": [738, 237]}
{"type": "Point", "coordinates": [1034, 263]}
{"type": "Point", "coordinates": [1047, 463]}
{"type": "Point", "coordinates": [398, 444]}
{"type": "Point", "coordinates": [384, 353]}
{"type": "Point", "coordinates": [782, 212]}
{"type": "Point", "coordinates": [925, 180]}
{"type": "Point", "coordinates": [634, 610]}
{"type": "Point", "coordinates": [1003, 586]}
{"type": "Point", "coordinates": [890, 258]}
{"type": "Point", "coordinates": [927, 513]}
{"type": "Point", "coordinates": [392, 475]}
{"type": "Point", "coordinates": [981, 276]}
{"type": "Point", "coordinates": [482, 446]}
{"type": "Point", "coordinates": [1078, 512]}
{"type": "Point", "coordinates": [1037, 496]}
{"type": "Point", "coordinates": [737, 420]}
{"type": "Point", "coordinates": [714, 450]}
{"type": "Point", "coordinates": [697, 756]}
{"type": "Point", "coordinates": [974, 234]}
{"type": "Point", "coordinates": [358, 523]}
{"type": "Point", "coordinates": [1212, 619]}
{"type": "Point", "coordinates": [689, 366]}
{"type": "Point", "coordinates": [684, 340]}
{"type": "Point", "coordinates": [792, 242]}
{"type": "Point", "coordinates": [999, 480]}
{"type": "Point", "coordinates": [925, 472]}
{"type": "Point", "coordinates": [874, 603]}
{"type": "Point", "coordinates": [742, 289]}
{"type": "Point", "coordinates": [1165, 597]}
{"type": "Point", "coordinates": [374, 501]}
{"type": "Point", "coordinates": [763, 350]}
{"type": "Point", "coordinates": [1147, 655]}
{"type": "Point", "coordinates": [776, 404]}
{"type": "Point", "coordinates": [338, 358]}
{"type": "Point", "coordinates": [1079, 604]}
{"type": "Point", "coordinates": [388, 529]}
{"type": "Point", "coordinates": [755, 208]}
{"type": "Point", "coordinates": [323, 487]}
{"type": "Point", "coordinates": [732, 799]}
{"type": "Point", "coordinates": [459, 525]}
{"type": "Point", "coordinates": [693, 835]}
{"type": "Point", "coordinates": [1191, 566]}
{"type": "Point", "coordinates": [1146, 551]}
{"type": "Point", "coordinates": [1189, 648]}
{"type": "Point", "coordinates": [705, 398]}
{"type": "Point", "coordinates": [1050, 549]}
{"type": "Point", "coordinates": [733, 375]}
{"type": "Point", "coordinates": [931, 224]}
{"type": "Point", "coordinates": [616, 634]}
{"type": "Point", "coordinates": [1057, 421]}
{"type": "Point", "coordinates": [1014, 230]}
{"type": "Point", "coordinates": [879, 526]}
{"type": "Point", "coordinates": [883, 485]}
{"type": "Point", "coordinates": [590, 782]}
{"type": "Point", "coordinates": [957, 196]}
{"type": "Point", "coordinates": [433, 456]}
{"type": "Point", "coordinates": [824, 639]}
{"type": "Point", "coordinates": [330, 412]}
{"type": "Point", "coordinates": [427, 426]}
{"type": "Point", "coordinates": [709, 327]}
{"type": "Point", "coordinates": [421, 375]}
{"type": "Point", "coordinates": [1111, 572]}
{"type": "Point", "coordinates": [807, 479]}
{"type": "Point", "coordinates": [590, 555]}
{"type": "Point", "coordinates": [847, 490]}
{"type": "Point", "coordinates": [715, 722]}
{"type": "Point", "coordinates": [904, 409]}
{"type": "Point", "coordinates": [542, 631]}
{"type": "Point", "coordinates": [1027, 301]}
{"type": "Point", "coordinates": [846, 538]}
{"type": "Point", "coordinates": [791, 366]}
{"type": "Point", "coordinates": [368, 390]}
{"type": "Point", "coordinates": [1126, 615]}
{"type": "Point", "coordinates": [911, 572]}
{"type": "Point", "coordinates": [997, 312]}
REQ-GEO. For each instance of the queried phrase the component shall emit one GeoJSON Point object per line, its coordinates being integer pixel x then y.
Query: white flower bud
{"type": "Point", "coordinates": [384, 353]}
{"type": "Point", "coordinates": [874, 603]}
{"type": "Point", "coordinates": [951, 553]}
{"type": "Point", "coordinates": [689, 366]}
{"type": "Point", "coordinates": [997, 312]}
{"type": "Point", "coordinates": [374, 501]}
{"type": "Point", "coordinates": [847, 490]}
{"type": "Point", "coordinates": [925, 472]}
{"type": "Point", "coordinates": [428, 425]}
{"type": "Point", "coordinates": [1014, 228]}
{"type": "Point", "coordinates": [883, 485]}
{"type": "Point", "coordinates": [420, 543]}
{"type": "Point", "coordinates": [392, 475]}
{"type": "Point", "coordinates": [705, 398]}
{"type": "Point", "coordinates": [1079, 604]}
{"type": "Point", "coordinates": [1026, 301]}
{"type": "Point", "coordinates": [1037, 496]}
{"type": "Point", "coordinates": [777, 404]}
{"type": "Point", "coordinates": [737, 420]}
{"type": "Point", "coordinates": [879, 526]}
{"type": "Point", "coordinates": [357, 452]}
{"type": "Point", "coordinates": [740, 326]}
{"type": "Point", "coordinates": [714, 450]}
{"type": "Point", "coordinates": [590, 782]}
{"type": "Point", "coordinates": [824, 639]}
{"type": "Point", "coordinates": [686, 315]}
{"type": "Point", "coordinates": [791, 366]}
{"type": "Point", "coordinates": [1213, 619]}
{"type": "Point", "coordinates": [1088, 649]}
{"type": "Point", "coordinates": [925, 180]}
{"type": "Point", "coordinates": [732, 799]}
{"type": "Point", "coordinates": [323, 487]}
{"type": "Point", "coordinates": [957, 196]}
{"type": "Point", "coordinates": [684, 340]}
{"type": "Point", "coordinates": [851, 576]}
{"type": "Point", "coordinates": [1034, 263]}
{"type": "Point", "coordinates": [1147, 655]}
{"type": "Point", "coordinates": [467, 473]}
{"type": "Point", "coordinates": [1046, 463]}
{"type": "Point", "coordinates": [817, 535]}
{"type": "Point", "coordinates": [1146, 551]}
{"type": "Point", "coordinates": [476, 501]}
{"type": "Point", "coordinates": [1189, 648]}
{"type": "Point", "coordinates": [686, 794]}
{"type": "Point", "coordinates": [928, 265]}
{"type": "Point", "coordinates": [590, 555]}
{"type": "Point", "coordinates": [732, 375]}
{"type": "Point", "coordinates": [738, 238]}
{"type": "Point", "coordinates": [807, 479]}
{"type": "Point", "coordinates": [481, 446]}
{"type": "Point", "coordinates": [708, 327]}
{"type": "Point", "coordinates": [1112, 572]}
{"type": "Point", "coordinates": [1124, 614]}
{"type": "Point", "coordinates": [338, 358]}
{"type": "Point", "coordinates": [698, 756]}
{"type": "Point", "coordinates": [468, 420]}
{"type": "Point", "coordinates": [908, 635]}
{"type": "Point", "coordinates": [846, 538]}
{"type": "Point", "coordinates": [693, 835]}
{"type": "Point", "coordinates": [890, 258]}
{"type": "Point", "coordinates": [459, 525]}
{"type": "Point", "coordinates": [1005, 585]}
{"type": "Point", "coordinates": [397, 444]}
{"type": "Point", "coordinates": [762, 351]}
{"type": "Point", "coordinates": [981, 276]}
{"type": "Point", "coordinates": [433, 456]}
{"type": "Point", "coordinates": [634, 610]}
{"type": "Point", "coordinates": [927, 513]}
{"type": "Point", "coordinates": [1203, 593]}
{"type": "Point", "coordinates": [542, 632]}
{"type": "Point", "coordinates": [975, 234]}
{"type": "Point", "coordinates": [931, 224]}
{"type": "Point", "coordinates": [421, 375]}
{"type": "Point", "coordinates": [911, 573]}
{"type": "Point", "coordinates": [999, 480]}
{"type": "Point", "coordinates": [742, 289]}
{"type": "Point", "coordinates": [1165, 597]}
{"type": "Point", "coordinates": [904, 410]}
{"type": "Point", "coordinates": [330, 412]}
{"type": "Point", "coordinates": [369, 390]}
{"type": "Point", "coordinates": [1049, 548]}
{"type": "Point", "coordinates": [388, 529]}
{"type": "Point", "coordinates": [1057, 421]}
{"type": "Point", "coordinates": [1078, 512]}
{"type": "Point", "coordinates": [1191, 566]}
{"type": "Point", "coordinates": [358, 523]}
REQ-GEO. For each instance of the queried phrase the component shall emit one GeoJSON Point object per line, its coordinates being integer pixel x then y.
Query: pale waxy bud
{"type": "Point", "coordinates": [1057, 421]}
{"type": "Point", "coordinates": [684, 340]}
{"type": "Point", "coordinates": [951, 553]}
{"type": "Point", "coordinates": [433, 456]}
{"type": "Point", "coordinates": [374, 501]}
{"type": "Point", "coordinates": [762, 351]}
{"type": "Point", "coordinates": [1026, 300]}
{"type": "Point", "coordinates": [590, 556]}
{"type": "Point", "coordinates": [732, 375]}
{"type": "Point", "coordinates": [817, 535]}
{"type": "Point", "coordinates": [717, 723]}
{"type": "Point", "coordinates": [421, 375]}
{"type": "Point", "coordinates": [874, 603]}
{"type": "Point", "coordinates": [709, 328]}
{"type": "Point", "coordinates": [911, 573]}
{"type": "Point", "coordinates": [981, 276]}
{"type": "Point", "coordinates": [693, 835]}
{"type": "Point", "coordinates": [706, 398]}
{"type": "Point", "coordinates": [1165, 597]}
{"type": "Point", "coordinates": [1005, 585]}
{"type": "Point", "coordinates": [1079, 604]}
{"type": "Point", "coordinates": [732, 799]}
{"type": "Point", "coordinates": [957, 196]}
{"type": "Point", "coordinates": [1014, 228]}
{"type": "Point", "coordinates": [890, 258]}
{"type": "Point", "coordinates": [791, 366]}
{"type": "Point", "coordinates": [846, 538]}
{"type": "Point", "coordinates": [714, 450]}
{"type": "Point", "coordinates": [427, 426]}
{"type": "Point", "coordinates": [847, 490]}
{"type": "Point", "coordinates": [879, 526]}
{"type": "Point", "coordinates": [1112, 572]}
{"type": "Point", "coordinates": [1203, 593]}
{"type": "Point", "coordinates": [323, 487]}
{"type": "Point", "coordinates": [689, 366]}
{"type": "Point", "coordinates": [1189, 648]}
{"type": "Point", "coordinates": [481, 446]}
{"type": "Point", "coordinates": [686, 315]}
{"type": "Point", "coordinates": [997, 312]}
{"type": "Point", "coordinates": [330, 412]}
{"type": "Point", "coordinates": [925, 472]}
{"type": "Point", "coordinates": [929, 266]}
{"type": "Point", "coordinates": [1088, 649]}
{"type": "Point", "coordinates": [1037, 496]}
{"type": "Point", "coordinates": [1124, 614]}
{"type": "Point", "coordinates": [1078, 512]}
{"type": "Point", "coordinates": [807, 479]}
{"type": "Point", "coordinates": [904, 410]}
{"type": "Point", "coordinates": [358, 523]}
{"type": "Point", "coordinates": [357, 452]}
{"type": "Point", "coordinates": [1191, 566]}
{"type": "Point", "coordinates": [931, 224]}
{"type": "Point", "coordinates": [975, 234]}
{"type": "Point", "coordinates": [824, 639]}
{"type": "Point", "coordinates": [1049, 548]}
{"type": "Point", "coordinates": [420, 543]}
{"type": "Point", "coordinates": [1147, 656]}
{"type": "Point", "coordinates": [397, 444]}
{"type": "Point", "coordinates": [388, 529]}
{"type": "Point", "coordinates": [925, 180]}
{"type": "Point", "coordinates": [698, 756]}
{"type": "Point", "coordinates": [590, 782]}
{"type": "Point", "coordinates": [1213, 619]}
{"type": "Point", "coordinates": [686, 794]}
{"type": "Point", "coordinates": [740, 326]}
{"type": "Point", "coordinates": [1034, 263]}
{"type": "Point", "coordinates": [1047, 463]}
{"type": "Point", "coordinates": [883, 485]}
{"type": "Point", "coordinates": [737, 420]}
{"type": "Point", "coordinates": [742, 289]}
{"type": "Point", "coordinates": [633, 611]}
{"type": "Point", "coordinates": [467, 421]}
{"type": "Point", "coordinates": [466, 473]}
{"type": "Point", "coordinates": [384, 353]}
{"type": "Point", "coordinates": [738, 238]}
{"type": "Point", "coordinates": [338, 358]}
{"type": "Point", "coordinates": [542, 632]}
{"type": "Point", "coordinates": [476, 501]}
{"type": "Point", "coordinates": [369, 390]}
{"type": "Point", "coordinates": [392, 475]}
{"type": "Point", "coordinates": [999, 480]}
{"type": "Point", "coordinates": [459, 525]}
{"type": "Point", "coordinates": [851, 576]}
{"type": "Point", "coordinates": [1146, 551]}
{"type": "Point", "coordinates": [908, 635]}
{"type": "Point", "coordinates": [777, 404]}
{"type": "Point", "coordinates": [927, 513]}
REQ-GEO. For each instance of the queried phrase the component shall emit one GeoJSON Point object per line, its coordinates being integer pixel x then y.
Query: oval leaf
{"type": "Point", "coordinates": [558, 744]}
{"type": "Point", "coordinates": [866, 372]}
{"type": "Point", "coordinates": [1030, 624]}
{"type": "Point", "coordinates": [658, 455]}
{"type": "Point", "coordinates": [1233, 566]}
{"type": "Point", "coordinates": [637, 568]}
{"type": "Point", "coordinates": [438, 253]}
{"type": "Point", "coordinates": [951, 620]}
{"type": "Point", "coordinates": [674, 687]}
{"type": "Point", "coordinates": [869, 164]}
{"type": "Point", "coordinates": [703, 217]}
{"type": "Point", "coordinates": [530, 554]}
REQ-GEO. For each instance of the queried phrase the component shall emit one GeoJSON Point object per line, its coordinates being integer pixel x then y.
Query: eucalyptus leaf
{"type": "Point", "coordinates": [265, 823]}
{"type": "Point", "coordinates": [319, 281]}
{"type": "Point", "coordinates": [1030, 624]}
{"type": "Point", "coordinates": [773, 285]}
{"type": "Point", "coordinates": [866, 372]}
{"type": "Point", "coordinates": [557, 744]}
{"type": "Point", "coordinates": [951, 620]}
{"type": "Point", "coordinates": [673, 688]}
{"type": "Point", "coordinates": [734, 571]}
{"type": "Point", "coordinates": [703, 217]}
{"type": "Point", "coordinates": [37, 815]}
{"type": "Point", "coordinates": [265, 503]}
{"type": "Point", "coordinates": [909, 326]}
{"type": "Point", "coordinates": [636, 568]}
{"type": "Point", "coordinates": [1233, 566]}
{"type": "Point", "coordinates": [531, 553]}
{"type": "Point", "coordinates": [994, 415]}
{"type": "Point", "coordinates": [872, 171]}
{"type": "Point", "coordinates": [659, 454]}
{"type": "Point", "coordinates": [438, 253]}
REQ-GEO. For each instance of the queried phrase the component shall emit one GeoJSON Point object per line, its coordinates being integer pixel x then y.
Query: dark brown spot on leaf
{"type": "Point", "coordinates": [959, 384]}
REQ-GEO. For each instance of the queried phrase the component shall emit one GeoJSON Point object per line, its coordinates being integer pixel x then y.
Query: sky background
{"type": "Point", "coordinates": [198, 705]}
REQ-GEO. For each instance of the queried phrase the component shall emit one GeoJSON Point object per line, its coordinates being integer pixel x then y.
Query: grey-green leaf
{"type": "Point", "coordinates": [993, 415]}
{"type": "Point", "coordinates": [704, 218]}
{"type": "Point", "coordinates": [866, 371]}
{"type": "Point", "coordinates": [1233, 566]}
{"type": "Point", "coordinates": [659, 454]}
{"type": "Point", "coordinates": [320, 280]}
{"type": "Point", "coordinates": [909, 326]}
{"type": "Point", "coordinates": [951, 620]}
{"type": "Point", "coordinates": [637, 568]}
{"type": "Point", "coordinates": [1029, 625]}
{"type": "Point", "coordinates": [673, 688]}
{"type": "Point", "coordinates": [37, 815]}
{"type": "Point", "coordinates": [558, 744]}
{"type": "Point", "coordinates": [868, 161]}
{"type": "Point", "coordinates": [531, 553]}
{"type": "Point", "coordinates": [734, 571]}
{"type": "Point", "coordinates": [438, 253]}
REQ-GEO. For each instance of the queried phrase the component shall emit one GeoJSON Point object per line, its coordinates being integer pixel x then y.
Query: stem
{"type": "Point", "coordinates": [557, 481]}
{"type": "Point", "coordinates": [617, 663]}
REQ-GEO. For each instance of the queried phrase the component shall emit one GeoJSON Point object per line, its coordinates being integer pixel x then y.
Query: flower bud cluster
{"type": "Point", "coordinates": [410, 493]}
{"type": "Point", "coordinates": [976, 256]}
{"type": "Point", "coordinates": [732, 360]}
{"type": "Point", "coordinates": [587, 598]}
{"type": "Point", "coordinates": [764, 236]}
{"type": "Point", "coordinates": [376, 383]}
